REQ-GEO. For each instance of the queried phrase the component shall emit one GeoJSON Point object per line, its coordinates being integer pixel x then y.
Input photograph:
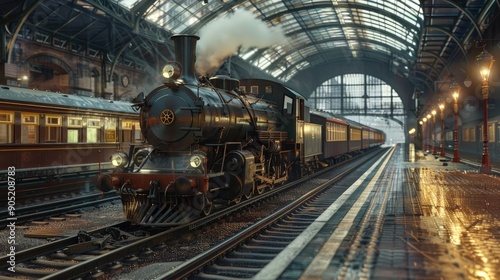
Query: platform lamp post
{"type": "Point", "coordinates": [485, 60]}
{"type": "Point", "coordinates": [424, 132]}
{"type": "Point", "coordinates": [434, 150]}
{"type": "Point", "coordinates": [441, 108]}
{"type": "Point", "coordinates": [421, 122]}
{"type": "Point", "coordinates": [456, 92]}
{"type": "Point", "coordinates": [429, 138]}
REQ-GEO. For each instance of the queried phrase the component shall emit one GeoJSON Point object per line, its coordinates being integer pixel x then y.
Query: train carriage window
{"type": "Point", "coordinates": [469, 134]}
{"type": "Point", "coordinates": [53, 120]}
{"type": "Point", "coordinates": [29, 128]}
{"type": "Point", "coordinates": [53, 125]}
{"type": "Point", "coordinates": [329, 132]}
{"type": "Point", "coordinates": [448, 135]}
{"type": "Point", "coordinates": [93, 130]}
{"type": "Point", "coordinates": [75, 126]}
{"type": "Point", "coordinates": [130, 131]}
{"type": "Point", "coordinates": [138, 133]}
{"type": "Point", "coordinates": [340, 132]}
{"type": "Point", "coordinates": [498, 131]}
{"type": "Point", "coordinates": [336, 132]}
{"type": "Point", "coordinates": [300, 132]}
{"type": "Point", "coordinates": [110, 129]}
{"type": "Point", "coordinates": [355, 134]}
{"type": "Point", "coordinates": [491, 132]}
{"type": "Point", "coordinates": [75, 122]}
{"type": "Point", "coordinates": [254, 90]}
{"type": "Point", "coordinates": [127, 125]}
{"type": "Point", "coordinates": [6, 127]}
{"type": "Point", "coordinates": [287, 105]}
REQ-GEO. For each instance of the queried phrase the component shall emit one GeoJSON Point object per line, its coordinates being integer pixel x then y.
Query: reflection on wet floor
{"type": "Point", "coordinates": [458, 234]}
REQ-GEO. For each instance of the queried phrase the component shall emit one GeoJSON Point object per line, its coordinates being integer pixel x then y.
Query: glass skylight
{"type": "Point", "coordinates": [311, 26]}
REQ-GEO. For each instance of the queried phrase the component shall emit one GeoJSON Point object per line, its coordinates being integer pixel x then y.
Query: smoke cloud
{"type": "Point", "coordinates": [223, 37]}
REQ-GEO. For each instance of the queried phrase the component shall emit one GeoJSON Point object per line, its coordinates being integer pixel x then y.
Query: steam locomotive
{"type": "Point", "coordinates": [213, 140]}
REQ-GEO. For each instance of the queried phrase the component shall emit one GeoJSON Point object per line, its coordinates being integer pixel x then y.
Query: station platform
{"type": "Point", "coordinates": [441, 220]}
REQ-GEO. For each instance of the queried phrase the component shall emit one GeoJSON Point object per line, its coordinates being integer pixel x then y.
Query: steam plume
{"type": "Point", "coordinates": [222, 37]}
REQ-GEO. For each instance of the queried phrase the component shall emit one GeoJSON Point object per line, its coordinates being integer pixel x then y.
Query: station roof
{"type": "Point", "coordinates": [416, 42]}
{"type": "Point", "coordinates": [316, 31]}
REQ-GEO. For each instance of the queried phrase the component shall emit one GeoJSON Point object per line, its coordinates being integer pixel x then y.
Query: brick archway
{"type": "Point", "coordinates": [47, 72]}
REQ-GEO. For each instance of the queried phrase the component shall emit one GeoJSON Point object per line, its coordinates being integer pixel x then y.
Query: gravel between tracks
{"type": "Point", "coordinates": [91, 218]}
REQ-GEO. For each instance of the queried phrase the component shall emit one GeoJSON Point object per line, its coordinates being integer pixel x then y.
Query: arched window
{"type": "Point", "coordinates": [357, 94]}
{"type": "Point", "coordinates": [362, 98]}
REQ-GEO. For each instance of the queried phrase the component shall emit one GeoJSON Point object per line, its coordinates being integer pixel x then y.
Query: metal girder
{"type": "Point", "coordinates": [424, 82]}
{"type": "Point", "coordinates": [457, 41]}
{"type": "Point", "coordinates": [135, 24]}
{"type": "Point", "coordinates": [24, 16]}
{"type": "Point", "coordinates": [301, 23]}
{"type": "Point", "coordinates": [467, 14]}
{"type": "Point", "coordinates": [438, 58]}
{"type": "Point", "coordinates": [139, 10]}
{"type": "Point", "coordinates": [194, 28]}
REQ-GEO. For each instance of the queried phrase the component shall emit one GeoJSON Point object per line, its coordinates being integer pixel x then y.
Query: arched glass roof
{"type": "Point", "coordinates": [414, 44]}
{"type": "Point", "coordinates": [316, 31]}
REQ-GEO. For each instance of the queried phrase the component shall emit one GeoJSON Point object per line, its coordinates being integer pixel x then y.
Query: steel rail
{"type": "Point", "coordinates": [189, 267]}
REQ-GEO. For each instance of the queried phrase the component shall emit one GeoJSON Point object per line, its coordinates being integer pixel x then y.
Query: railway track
{"type": "Point", "coordinates": [260, 250]}
{"type": "Point", "coordinates": [58, 207]}
{"type": "Point", "coordinates": [31, 191]}
{"type": "Point", "coordinates": [106, 250]}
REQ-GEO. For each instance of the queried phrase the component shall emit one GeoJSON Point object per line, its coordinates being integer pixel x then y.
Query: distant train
{"type": "Point", "coordinates": [46, 135]}
{"type": "Point", "coordinates": [222, 139]}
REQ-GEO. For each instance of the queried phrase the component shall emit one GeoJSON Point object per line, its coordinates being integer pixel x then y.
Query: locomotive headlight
{"type": "Point", "coordinates": [168, 71]}
{"type": "Point", "coordinates": [171, 70]}
{"type": "Point", "coordinates": [195, 161]}
{"type": "Point", "coordinates": [119, 159]}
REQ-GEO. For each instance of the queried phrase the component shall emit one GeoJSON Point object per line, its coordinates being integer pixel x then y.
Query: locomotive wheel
{"type": "Point", "coordinates": [249, 194]}
{"type": "Point", "coordinates": [202, 203]}
{"type": "Point", "coordinates": [208, 208]}
{"type": "Point", "coordinates": [236, 200]}
{"type": "Point", "coordinates": [260, 190]}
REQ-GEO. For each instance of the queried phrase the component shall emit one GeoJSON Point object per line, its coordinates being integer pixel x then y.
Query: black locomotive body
{"type": "Point", "coordinates": [208, 141]}
{"type": "Point", "coordinates": [211, 140]}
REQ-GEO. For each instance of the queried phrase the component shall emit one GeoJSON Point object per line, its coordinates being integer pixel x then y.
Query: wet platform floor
{"type": "Point", "coordinates": [425, 218]}
{"type": "Point", "coordinates": [447, 225]}
{"type": "Point", "coordinates": [443, 223]}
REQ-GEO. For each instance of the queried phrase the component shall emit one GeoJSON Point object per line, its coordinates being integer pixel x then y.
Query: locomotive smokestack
{"type": "Point", "coordinates": [185, 54]}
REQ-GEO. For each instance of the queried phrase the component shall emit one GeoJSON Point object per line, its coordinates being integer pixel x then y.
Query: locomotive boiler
{"type": "Point", "coordinates": [207, 141]}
